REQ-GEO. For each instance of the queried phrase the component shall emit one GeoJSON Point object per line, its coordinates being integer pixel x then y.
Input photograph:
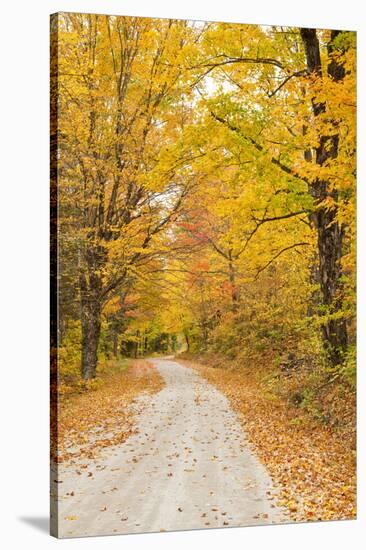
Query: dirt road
{"type": "Point", "coordinates": [188, 467]}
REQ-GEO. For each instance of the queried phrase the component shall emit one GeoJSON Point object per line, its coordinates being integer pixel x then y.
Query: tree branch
{"type": "Point", "coordinates": [277, 255]}
{"type": "Point", "coordinates": [297, 73]}
{"type": "Point", "coordinates": [229, 60]}
{"type": "Point", "coordinates": [289, 171]}
{"type": "Point", "coordinates": [283, 217]}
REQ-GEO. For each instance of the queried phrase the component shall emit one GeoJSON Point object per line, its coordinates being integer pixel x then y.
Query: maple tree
{"type": "Point", "coordinates": [115, 108]}
{"type": "Point", "coordinates": [210, 166]}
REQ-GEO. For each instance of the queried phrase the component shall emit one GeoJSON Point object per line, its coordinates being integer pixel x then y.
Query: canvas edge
{"type": "Point", "coordinates": [53, 37]}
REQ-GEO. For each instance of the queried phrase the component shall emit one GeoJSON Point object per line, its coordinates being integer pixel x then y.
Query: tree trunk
{"type": "Point", "coordinates": [330, 251]}
{"type": "Point", "coordinates": [233, 289]}
{"type": "Point", "coordinates": [187, 341]}
{"type": "Point", "coordinates": [90, 328]}
{"type": "Point", "coordinates": [330, 234]}
{"type": "Point", "coordinates": [91, 309]}
{"type": "Point", "coordinates": [115, 343]}
{"type": "Point", "coordinates": [137, 344]}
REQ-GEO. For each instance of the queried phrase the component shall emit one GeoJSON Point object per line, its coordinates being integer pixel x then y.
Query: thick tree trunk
{"type": "Point", "coordinates": [330, 234]}
{"type": "Point", "coordinates": [330, 238]}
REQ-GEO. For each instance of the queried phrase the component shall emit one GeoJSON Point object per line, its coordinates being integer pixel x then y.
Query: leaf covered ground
{"type": "Point", "coordinates": [313, 466]}
{"type": "Point", "coordinates": [99, 414]}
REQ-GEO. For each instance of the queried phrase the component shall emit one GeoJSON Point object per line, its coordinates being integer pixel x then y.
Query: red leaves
{"type": "Point", "coordinates": [196, 230]}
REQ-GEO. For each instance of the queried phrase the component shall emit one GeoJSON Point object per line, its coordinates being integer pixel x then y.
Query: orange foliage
{"type": "Point", "coordinates": [314, 468]}
{"type": "Point", "coordinates": [101, 417]}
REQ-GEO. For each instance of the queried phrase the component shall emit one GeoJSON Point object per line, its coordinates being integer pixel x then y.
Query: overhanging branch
{"type": "Point", "coordinates": [277, 256]}
{"type": "Point", "coordinates": [289, 171]}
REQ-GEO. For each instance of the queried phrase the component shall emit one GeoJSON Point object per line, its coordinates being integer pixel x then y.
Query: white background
{"type": "Point", "coordinates": [24, 187]}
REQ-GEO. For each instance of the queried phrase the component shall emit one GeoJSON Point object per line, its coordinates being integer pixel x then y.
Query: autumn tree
{"type": "Point", "coordinates": [270, 87]}
{"type": "Point", "coordinates": [118, 95]}
{"type": "Point", "coordinates": [325, 190]}
{"type": "Point", "coordinates": [206, 180]}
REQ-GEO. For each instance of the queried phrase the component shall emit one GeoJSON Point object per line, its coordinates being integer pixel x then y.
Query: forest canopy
{"type": "Point", "coordinates": [206, 191]}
